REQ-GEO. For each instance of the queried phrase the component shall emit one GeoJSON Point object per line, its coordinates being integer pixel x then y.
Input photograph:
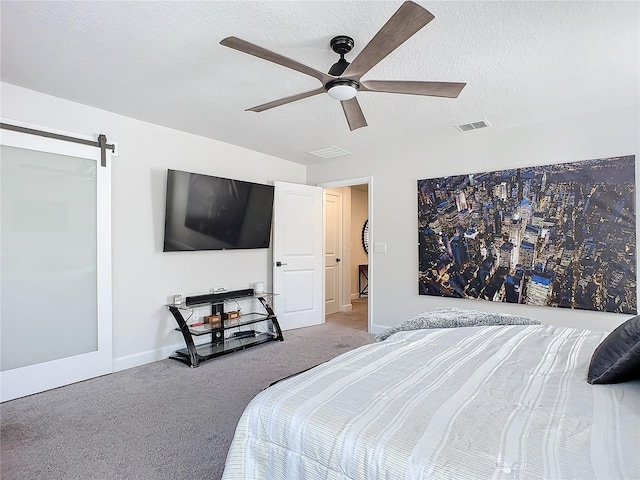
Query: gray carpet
{"type": "Point", "coordinates": [158, 421]}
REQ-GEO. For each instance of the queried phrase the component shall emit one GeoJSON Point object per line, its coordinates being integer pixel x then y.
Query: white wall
{"type": "Point", "coordinates": [143, 276]}
{"type": "Point", "coordinates": [395, 172]}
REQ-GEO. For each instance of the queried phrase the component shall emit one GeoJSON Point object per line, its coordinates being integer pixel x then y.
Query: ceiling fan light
{"type": "Point", "coordinates": [343, 90]}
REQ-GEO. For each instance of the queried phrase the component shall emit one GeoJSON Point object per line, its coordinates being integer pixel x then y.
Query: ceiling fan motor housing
{"type": "Point", "coordinates": [342, 45]}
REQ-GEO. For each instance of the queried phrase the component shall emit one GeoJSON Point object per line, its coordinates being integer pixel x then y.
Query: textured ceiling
{"type": "Point", "coordinates": [523, 62]}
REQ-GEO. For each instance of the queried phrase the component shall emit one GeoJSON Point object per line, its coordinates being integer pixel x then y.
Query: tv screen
{"type": "Point", "coordinates": [213, 213]}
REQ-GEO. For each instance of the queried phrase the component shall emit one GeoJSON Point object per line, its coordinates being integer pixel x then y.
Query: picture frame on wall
{"type": "Point", "coordinates": [561, 235]}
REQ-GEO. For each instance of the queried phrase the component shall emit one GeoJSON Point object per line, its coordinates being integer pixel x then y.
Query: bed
{"type": "Point", "coordinates": [500, 401]}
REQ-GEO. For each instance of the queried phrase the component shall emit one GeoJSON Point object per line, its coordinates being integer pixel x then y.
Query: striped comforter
{"type": "Point", "coordinates": [497, 402]}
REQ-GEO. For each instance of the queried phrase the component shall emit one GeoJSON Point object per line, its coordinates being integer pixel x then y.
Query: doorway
{"type": "Point", "coordinates": [347, 263]}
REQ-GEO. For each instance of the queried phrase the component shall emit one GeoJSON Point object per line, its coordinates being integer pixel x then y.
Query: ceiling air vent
{"type": "Point", "coordinates": [473, 126]}
{"type": "Point", "coordinates": [329, 152]}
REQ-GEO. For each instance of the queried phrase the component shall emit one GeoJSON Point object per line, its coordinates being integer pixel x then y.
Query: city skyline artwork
{"type": "Point", "coordinates": [560, 235]}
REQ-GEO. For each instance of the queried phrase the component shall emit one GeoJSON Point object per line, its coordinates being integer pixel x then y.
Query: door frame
{"type": "Point", "coordinates": [349, 183]}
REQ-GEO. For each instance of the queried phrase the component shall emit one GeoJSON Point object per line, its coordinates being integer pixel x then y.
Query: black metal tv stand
{"type": "Point", "coordinates": [230, 330]}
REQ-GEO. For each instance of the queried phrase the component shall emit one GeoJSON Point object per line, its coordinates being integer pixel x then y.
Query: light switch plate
{"type": "Point", "coordinates": [380, 247]}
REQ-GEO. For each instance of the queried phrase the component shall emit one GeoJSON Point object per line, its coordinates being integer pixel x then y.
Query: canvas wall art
{"type": "Point", "coordinates": [559, 235]}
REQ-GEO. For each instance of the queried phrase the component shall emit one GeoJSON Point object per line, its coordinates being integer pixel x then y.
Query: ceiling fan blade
{"type": "Point", "coordinates": [256, 51]}
{"type": "Point", "coordinates": [431, 89]}
{"type": "Point", "coordinates": [353, 112]}
{"type": "Point", "coordinates": [407, 20]}
{"type": "Point", "coordinates": [283, 101]}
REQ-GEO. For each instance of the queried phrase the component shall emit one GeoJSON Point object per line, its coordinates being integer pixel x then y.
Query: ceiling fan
{"type": "Point", "coordinates": [343, 81]}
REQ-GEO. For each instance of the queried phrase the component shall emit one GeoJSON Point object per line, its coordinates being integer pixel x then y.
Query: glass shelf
{"type": "Point", "coordinates": [244, 319]}
{"type": "Point", "coordinates": [211, 350]}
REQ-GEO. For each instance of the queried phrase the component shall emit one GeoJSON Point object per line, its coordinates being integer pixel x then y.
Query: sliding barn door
{"type": "Point", "coordinates": [55, 264]}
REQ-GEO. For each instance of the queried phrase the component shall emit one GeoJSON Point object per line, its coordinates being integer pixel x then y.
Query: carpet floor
{"type": "Point", "coordinates": [159, 421]}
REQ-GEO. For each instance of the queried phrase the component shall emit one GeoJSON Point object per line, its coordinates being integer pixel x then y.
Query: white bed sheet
{"type": "Point", "coordinates": [498, 402]}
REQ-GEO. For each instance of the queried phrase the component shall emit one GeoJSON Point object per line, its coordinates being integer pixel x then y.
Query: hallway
{"type": "Point", "coordinates": [356, 318]}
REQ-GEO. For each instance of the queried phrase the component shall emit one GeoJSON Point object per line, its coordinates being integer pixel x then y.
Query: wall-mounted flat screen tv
{"type": "Point", "coordinates": [213, 213]}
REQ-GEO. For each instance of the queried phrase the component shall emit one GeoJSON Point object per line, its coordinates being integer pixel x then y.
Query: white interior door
{"type": "Point", "coordinates": [55, 264]}
{"type": "Point", "coordinates": [332, 249]}
{"type": "Point", "coordinates": [297, 255]}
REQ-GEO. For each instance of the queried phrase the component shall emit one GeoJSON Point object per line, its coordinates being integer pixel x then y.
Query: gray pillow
{"type": "Point", "coordinates": [617, 358]}
{"type": "Point", "coordinates": [450, 317]}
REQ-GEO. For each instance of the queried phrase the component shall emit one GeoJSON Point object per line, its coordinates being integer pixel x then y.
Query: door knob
{"type": "Point", "coordinates": [279, 264]}
{"type": "Point", "coordinates": [337, 260]}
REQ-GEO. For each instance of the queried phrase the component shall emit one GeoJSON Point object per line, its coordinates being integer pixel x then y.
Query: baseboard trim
{"type": "Point", "coordinates": [346, 308]}
{"type": "Point", "coordinates": [378, 328]}
{"type": "Point", "coordinates": [142, 358]}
